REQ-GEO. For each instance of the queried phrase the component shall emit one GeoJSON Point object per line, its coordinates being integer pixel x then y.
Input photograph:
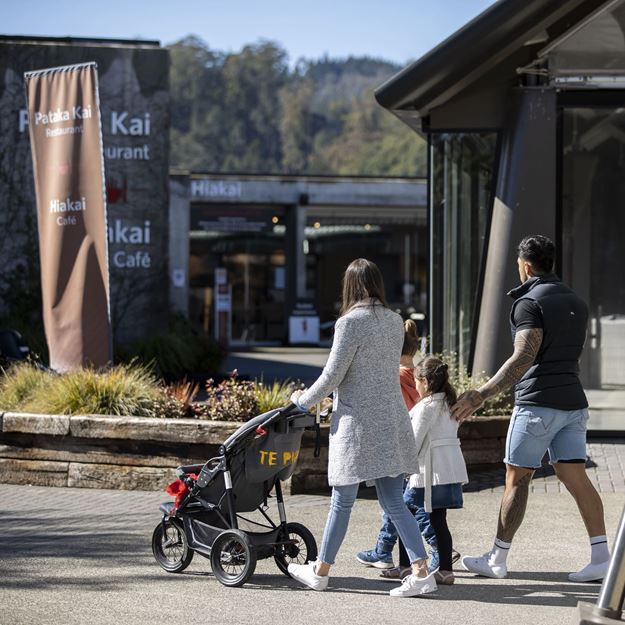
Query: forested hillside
{"type": "Point", "coordinates": [250, 112]}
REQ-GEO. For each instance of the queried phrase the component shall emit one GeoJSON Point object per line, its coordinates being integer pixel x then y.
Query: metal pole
{"type": "Point", "coordinates": [610, 602]}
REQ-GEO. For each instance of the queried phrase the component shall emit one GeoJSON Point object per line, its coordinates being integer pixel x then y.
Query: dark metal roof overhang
{"type": "Point", "coordinates": [507, 29]}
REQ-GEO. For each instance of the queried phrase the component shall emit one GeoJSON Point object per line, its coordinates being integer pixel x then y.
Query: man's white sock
{"type": "Point", "coordinates": [500, 551]}
{"type": "Point", "coordinates": [599, 549]}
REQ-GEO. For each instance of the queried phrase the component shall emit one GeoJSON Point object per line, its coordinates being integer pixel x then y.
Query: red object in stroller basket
{"type": "Point", "coordinates": [178, 489]}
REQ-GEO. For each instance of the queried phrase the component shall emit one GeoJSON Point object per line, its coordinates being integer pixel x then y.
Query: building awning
{"type": "Point", "coordinates": [508, 32]}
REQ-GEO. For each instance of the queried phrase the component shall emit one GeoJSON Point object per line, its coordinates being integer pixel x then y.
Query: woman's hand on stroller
{"type": "Point", "coordinates": [295, 395]}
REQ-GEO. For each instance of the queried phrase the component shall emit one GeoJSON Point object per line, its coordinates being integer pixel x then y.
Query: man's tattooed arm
{"type": "Point", "coordinates": [526, 346]}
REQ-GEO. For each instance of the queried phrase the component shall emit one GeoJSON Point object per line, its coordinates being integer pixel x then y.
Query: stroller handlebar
{"type": "Point", "coordinates": [290, 411]}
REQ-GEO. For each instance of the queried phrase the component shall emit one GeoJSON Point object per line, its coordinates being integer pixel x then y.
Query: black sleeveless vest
{"type": "Point", "coordinates": [553, 379]}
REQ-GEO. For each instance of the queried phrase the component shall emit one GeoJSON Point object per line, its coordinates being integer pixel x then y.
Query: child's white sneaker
{"type": "Point", "coordinates": [305, 573]}
{"type": "Point", "coordinates": [412, 586]}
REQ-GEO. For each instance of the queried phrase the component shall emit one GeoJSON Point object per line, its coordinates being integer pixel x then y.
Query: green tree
{"type": "Point", "coordinates": [253, 80]}
{"type": "Point", "coordinates": [247, 112]}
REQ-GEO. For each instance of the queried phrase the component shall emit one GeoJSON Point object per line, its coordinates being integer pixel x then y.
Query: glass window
{"type": "Point", "coordinates": [249, 244]}
{"type": "Point", "coordinates": [593, 231]}
{"type": "Point", "coordinates": [395, 238]}
{"type": "Point", "coordinates": [460, 205]}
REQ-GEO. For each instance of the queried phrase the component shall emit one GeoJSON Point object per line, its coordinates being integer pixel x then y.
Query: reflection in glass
{"type": "Point", "coordinates": [595, 49]}
{"type": "Point", "coordinates": [593, 253]}
{"type": "Point", "coordinates": [461, 197]}
{"type": "Point", "coordinates": [250, 244]}
{"type": "Point", "coordinates": [394, 238]}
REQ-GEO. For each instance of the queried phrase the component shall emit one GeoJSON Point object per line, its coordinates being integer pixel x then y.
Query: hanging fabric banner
{"type": "Point", "coordinates": [66, 143]}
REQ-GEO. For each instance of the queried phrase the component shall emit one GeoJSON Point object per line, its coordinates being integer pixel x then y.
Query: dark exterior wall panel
{"type": "Point", "coordinates": [475, 110]}
{"type": "Point", "coordinates": [525, 203]}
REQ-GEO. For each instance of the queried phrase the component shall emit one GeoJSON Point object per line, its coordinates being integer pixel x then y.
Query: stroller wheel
{"type": "Point", "coordinates": [170, 547]}
{"type": "Point", "coordinates": [298, 547]}
{"type": "Point", "coordinates": [233, 559]}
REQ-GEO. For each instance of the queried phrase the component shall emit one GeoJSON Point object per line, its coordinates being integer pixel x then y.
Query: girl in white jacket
{"type": "Point", "coordinates": [442, 471]}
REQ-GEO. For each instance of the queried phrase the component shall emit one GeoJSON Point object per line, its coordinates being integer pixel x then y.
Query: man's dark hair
{"type": "Point", "coordinates": [539, 251]}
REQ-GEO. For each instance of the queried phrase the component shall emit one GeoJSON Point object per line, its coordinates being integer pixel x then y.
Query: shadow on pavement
{"type": "Point", "coordinates": [561, 594]}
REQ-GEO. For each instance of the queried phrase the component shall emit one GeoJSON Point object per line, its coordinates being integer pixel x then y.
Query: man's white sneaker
{"type": "Point", "coordinates": [305, 573]}
{"type": "Point", "coordinates": [590, 573]}
{"type": "Point", "coordinates": [481, 565]}
{"type": "Point", "coordinates": [413, 586]}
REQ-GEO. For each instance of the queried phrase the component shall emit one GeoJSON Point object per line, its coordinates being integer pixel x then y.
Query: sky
{"type": "Point", "coordinates": [396, 30]}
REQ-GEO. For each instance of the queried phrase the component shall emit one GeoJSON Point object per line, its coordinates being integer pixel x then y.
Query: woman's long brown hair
{"type": "Point", "coordinates": [362, 281]}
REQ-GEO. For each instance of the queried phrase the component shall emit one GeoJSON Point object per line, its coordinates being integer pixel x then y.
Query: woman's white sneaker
{"type": "Point", "coordinates": [412, 586]}
{"type": "Point", "coordinates": [482, 565]}
{"type": "Point", "coordinates": [305, 573]}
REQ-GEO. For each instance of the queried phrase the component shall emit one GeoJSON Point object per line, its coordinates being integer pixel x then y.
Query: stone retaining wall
{"type": "Point", "coordinates": [93, 451]}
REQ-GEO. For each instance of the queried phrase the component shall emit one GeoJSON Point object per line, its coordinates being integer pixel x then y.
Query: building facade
{"type": "Point", "coordinates": [523, 111]}
{"type": "Point", "coordinates": [269, 251]}
{"type": "Point", "coordinates": [134, 103]}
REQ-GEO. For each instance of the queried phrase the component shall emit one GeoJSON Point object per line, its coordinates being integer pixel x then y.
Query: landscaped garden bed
{"type": "Point", "coordinates": [53, 432]}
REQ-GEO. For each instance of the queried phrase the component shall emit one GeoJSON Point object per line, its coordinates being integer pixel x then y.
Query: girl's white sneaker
{"type": "Point", "coordinates": [413, 586]}
{"type": "Point", "coordinates": [305, 573]}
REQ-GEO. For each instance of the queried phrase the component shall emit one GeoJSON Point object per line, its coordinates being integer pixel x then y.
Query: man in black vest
{"type": "Point", "coordinates": [551, 411]}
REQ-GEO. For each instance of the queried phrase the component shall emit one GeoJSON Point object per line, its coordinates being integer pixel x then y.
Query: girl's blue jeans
{"type": "Point", "coordinates": [390, 492]}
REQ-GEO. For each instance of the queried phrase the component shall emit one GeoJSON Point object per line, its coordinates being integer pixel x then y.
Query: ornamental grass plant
{"type": "Point", "coordinates": [19, 384]}
{"type": "Point", "coordinates": [275, 395]}
{"type": "Point", "coordinates": [134, 390]}
{"type": "Point", "coordinates": [120, 390]}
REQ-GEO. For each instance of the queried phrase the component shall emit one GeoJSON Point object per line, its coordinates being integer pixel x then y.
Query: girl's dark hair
{"type": "Point", "coordinates": [539, 251]}
{"type": "Point", "coordinates": [435, 372]}
{"type": "Point", "coordinates": [411, 338]}
{"type": "Point", "coordinates": [362, 281]}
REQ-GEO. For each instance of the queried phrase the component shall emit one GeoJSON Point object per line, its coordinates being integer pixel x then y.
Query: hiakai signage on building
{"type": "Point", "coordinates": [134, 103]}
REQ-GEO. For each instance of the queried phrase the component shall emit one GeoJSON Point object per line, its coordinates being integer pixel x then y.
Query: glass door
{"type": "Point", "coordinates": [593, 250]}
{"type": "Point", "coordinates": [245, 246]}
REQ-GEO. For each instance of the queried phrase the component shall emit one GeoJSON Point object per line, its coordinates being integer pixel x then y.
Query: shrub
{"type": "Point", "coordinates": [230, 400]}
{"type": "Point", "coordinates": [185, 393]}
{"type": "Point", "coordinates": [461, 380]}
{"type": "Point", "coordinates": [180, 351]}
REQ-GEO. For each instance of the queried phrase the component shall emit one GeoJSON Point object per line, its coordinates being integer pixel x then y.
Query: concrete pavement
{"type": "Point", "coordinates": [278, 363]}
{"type": "Point", "coordinates": [73, 556]}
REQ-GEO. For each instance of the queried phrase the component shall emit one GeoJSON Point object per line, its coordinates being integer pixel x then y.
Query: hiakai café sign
{"type": "Point", "coordinates": [134, 104]}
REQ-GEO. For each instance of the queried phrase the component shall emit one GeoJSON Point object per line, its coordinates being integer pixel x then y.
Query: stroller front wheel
{"type": "Point", "coordinates": [170, 547]}
{"type": "Point", "coordinates": [298, 547]}
{"type": "Point", "coordinates": [233, 559]}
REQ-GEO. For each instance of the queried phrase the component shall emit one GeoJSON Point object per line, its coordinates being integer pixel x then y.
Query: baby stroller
{"type": "Point", "coordinates": [210, 499]}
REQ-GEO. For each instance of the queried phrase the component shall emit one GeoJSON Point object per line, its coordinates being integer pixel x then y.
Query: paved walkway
{"type": "Point", "coordinates": [74, 556]}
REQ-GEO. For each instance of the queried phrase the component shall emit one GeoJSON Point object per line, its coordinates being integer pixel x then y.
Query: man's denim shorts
{"type": "Point", "coordinates": [536, 429]}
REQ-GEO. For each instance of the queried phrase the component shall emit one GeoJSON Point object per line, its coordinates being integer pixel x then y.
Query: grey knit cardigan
{"type": "Point", "coordinates": [370, 435]}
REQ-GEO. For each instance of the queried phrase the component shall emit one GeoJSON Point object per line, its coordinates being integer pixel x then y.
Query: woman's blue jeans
{"type": "Point", "coordinates": [390, 492]}
{"type": "Point", "coordinates": [388, 534]}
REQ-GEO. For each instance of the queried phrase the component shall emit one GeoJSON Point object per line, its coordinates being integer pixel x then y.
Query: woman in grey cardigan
{"type": "Point", "coordinates": [371, 437]}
